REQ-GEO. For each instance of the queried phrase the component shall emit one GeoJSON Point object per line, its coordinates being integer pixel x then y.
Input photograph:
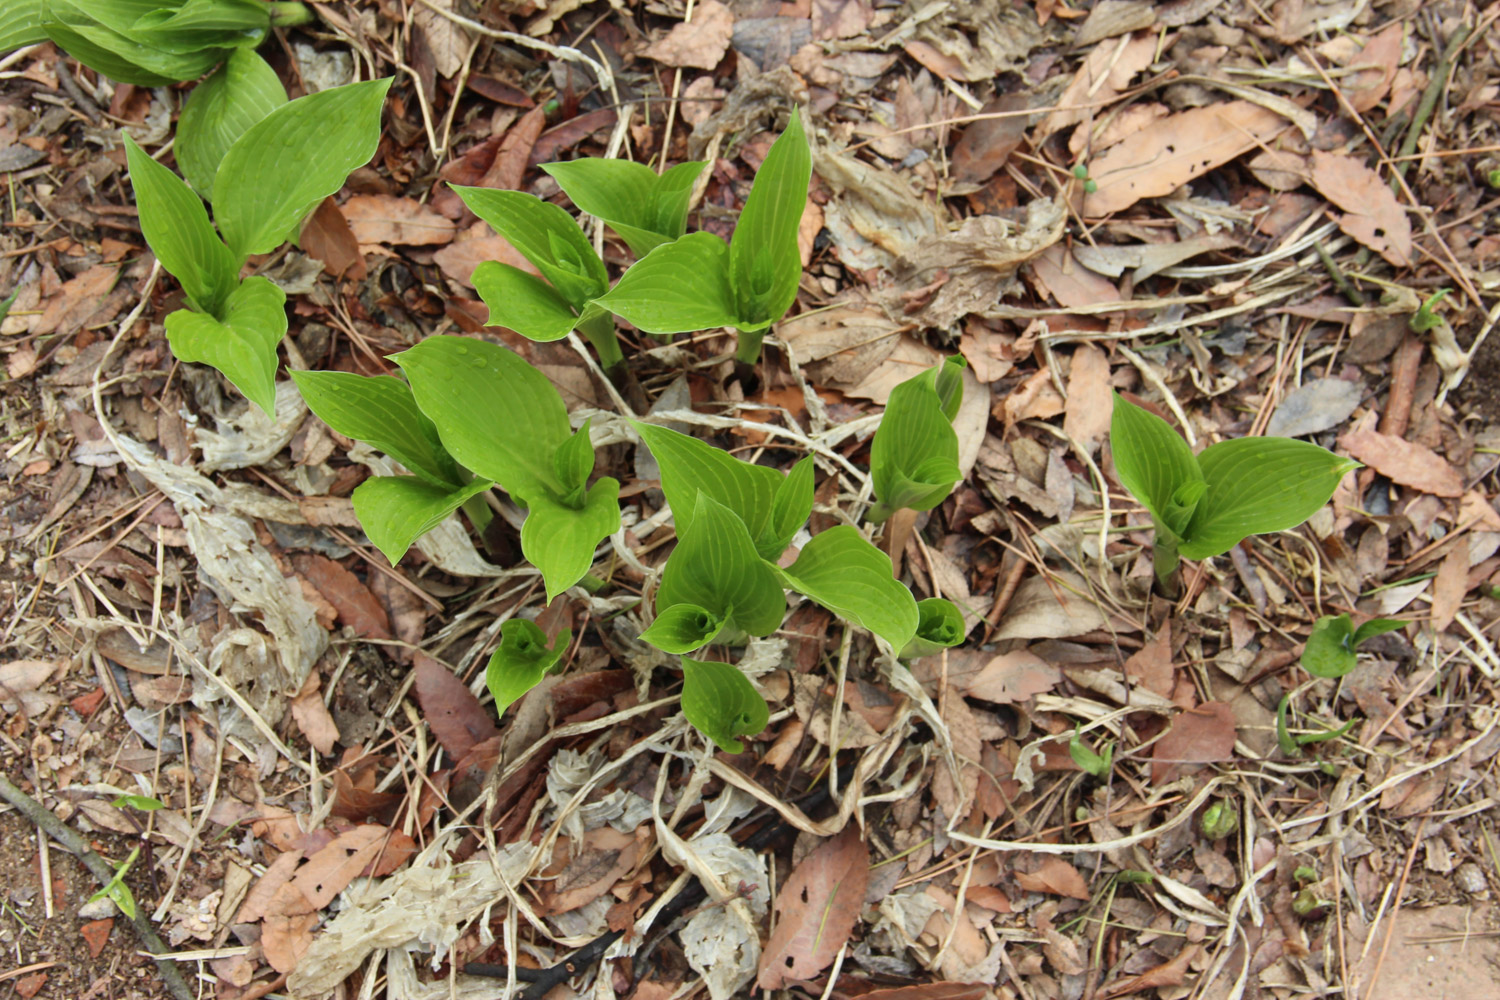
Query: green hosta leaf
{"type": "Point", "coordinates": [144, 803]}
{"type": "Point", "coordinates": [1088, 761]}
{"type": "Point", "coordinates": [380, 411]}
{"type": "Point", "coordinates": [715, 567]}
{"type": "Point", "coordinates": [204, 24]}
{"type": "Point", "coordinates": [1259, 485]}
{"type": "Point", "coordinates": [521, 660]}
{"type": "Point", "coordinates": [176, 226]}
{"type": "Point", "coordinates": [494, 413]}
{"type": "Point", "coordinates": [1152, 459]}
{"type": "Point", "coordinates": [842, 571]}
{"type": "Point", "coordinates": [683, 628]}
{"type": "Point", "coordinates": [646, 210]}
{"type": "Point", "coordinates": [21, 24]}
{"type": "Point", "coordinates": [243, 344]}
{"type": "Point", "coordinates": [293, 158]}
{"type": "Point", "coordinates": [397, 510]}
{"type": "Point", "coordinates": [574, 459]}
{"type": "Point", "coordinates": [523, 302]}
{"type": "Point", "coordinates": [721, 703]}
{"type": "Point", "coordinates": [546, 235]}
{"type": "Point", "coordinates": [914, 457]}
{"type": "Point", "coordinates": [220, 110]}
{"type": "Point", "coordinates": [940, 625]}
{"type": "Point", "coordinates": [560, 540]}
{"type": "Point", "coordinates": [790, 508]}
{"type": "Point", "coordinates": [1374, 627]}
{"type": "Point", "coordinates": [100, 36]}
{"type": "Point", "coordinates": [679, 287]}
{"type": "Point", "coordinates": [1330, 648]}
{"type": "Point", "coordinates": [950, 385]}
{"type": "Point", "coordinates": [763, 257]}
{"type": "Point", "coordinates": [690, 467]}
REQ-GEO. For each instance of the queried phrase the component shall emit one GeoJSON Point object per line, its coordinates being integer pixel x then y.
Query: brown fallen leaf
{"type": "Point", "coordinates": [1106, 71]}
{"type": "Point", "coordinates": [816, 909]}
{"type": "Point", "coordinates": [450, 708]}
{"type": "Point", "coordinates": [603, 857]}
{"type": "Point", "coordinates": [987, 144]}
{"type": "Point", "coordinates": [313, 717]}
{"type": "Point", "coordinates": [1056, 876]}
{"type": "Point", "coordinates": [931, 991]}
{"type": "Point", "coordinates": [1199, 735]}
{"type": "Point", "coordinates": [382, 218]}
{"type": "Point", "coordinates": [1012, 677]}
{"type": "Point", "coordinates": [1450, 586]}
{"type": "Point", "coordinates": [1170, 973]}
{"type": "Point", "coordinates": [1036, 398]}
{"type": "Point", "coordinates": [1162, 157]}
{"type": "Point", "coordinates": [1151, 665]}
{"type": "Point", "coordinates": [351, 599]}
{"type": "Point", "coordinates": [330, 869]}
{"type": "Point", "coordinates": [699, 43]}
{"type": "Point", "coordinates": [1050, 609]}
{"type": "Point", "coordinates": [478, 244]}
{"type": "Point", "coordinates": [508, 168]}
{"type": "Point", "coordinates": [1382, 53]}
{"type": "Point", "coordinates": [96, 935]}
{"type": "Point", "coordinates": [77, 300]}
{"type": "Point", "coordinates": [1404, 462]}
{"type": "Point", "coordinates": [1090, 403]}
{"type": "Point", "coordinates": [1372, 214]}
{"type": "Point", "coordinates": [326, 236]}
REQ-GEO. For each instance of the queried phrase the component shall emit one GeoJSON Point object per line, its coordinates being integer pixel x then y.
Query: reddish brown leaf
{"type": "Point", "coordinates": [1167, 974]}
{"type": "Point", "coordinates": [77, 300]}
{"type": "Point", "coordinates": [570, 133]}
{"type": "Point", "coordinates": [1200, 735]}
{"type": "Point", "coordinates": [313, 718]}
{"type": "Point", "coordinates": [259, 899]}
{"type": "Point", "coordinates": [96, 935]}
{"type": "Point", "coordinates": [508, 168]}
{"type": "Point", "coordinates": [356, 606]}
{"type": "Point", "coordinates": [1404, 462]}
{"type": "Point", "coordinates": [459, 258]}
{"type": "Point", "coordinates": [603, 857]}
{"type": "Point", "coordinates": [29, 986]}
{"type": "Point", "coordinates": [454, 714]}
{"type": "Point", "coordinates": [987, 144]}
{"type": "Point", "coordinates": [1090, 404]}
{"type": "Point", "coordinates": [1151, 665]}
{"type": "Point", "coordinates": [355, 802]}
{"type": "Point", "coordinates": [816, 910]}
{"type": "Point", "coordinates": [330, 870]}
{"type": "Point", "coordinates": [381, 218]}
{"type": "Point", "coordinates": [1449, 587]}
{"type": "Point", "coordinates": [1054, 876]}
{"type": "Point", "coordinates": [931, 991]}
{"type": "Point", "coordinates": [1372, 214]}
{"type": "Point", "coordinates": [326, 236]}
{"type": "Point", "coordinates": [699, 43]}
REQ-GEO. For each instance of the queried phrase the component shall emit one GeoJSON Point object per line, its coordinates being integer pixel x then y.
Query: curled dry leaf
{"type": "Point", "coordinates": [350, 598]}
{"type": "Point", "coordinates": [1404, 462]}
{"type": "Point", "coordinates": [326, 236]}
{"type": "Point", "coordinates": [1200, 735]}
{"type": "Point", "coordinates": [1050, 608]}
{"type": "Point", "coordinates": [1090, 403]}
{"type": "Point", "coordinates": [1372, 214]}
{"type": "Point", "coordinates": [816, 910]}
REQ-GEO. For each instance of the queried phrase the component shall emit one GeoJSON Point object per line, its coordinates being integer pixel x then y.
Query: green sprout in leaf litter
{"type": "Point", "coordinates": [521, 660]}
{"type": "Point", "coordinates": [1219, 820]}
{"type": "Point", "coordinates": [116, 890]}
{"type": "Point", "coordinates": [1426, 317]}
{"type": "Point", "coordinates": [1081, 172]}
{"type": "Point", "coordinates": [698, 282]}
{"type": "Point", "coordinates": [914, 456]}
{"type": "Point", "coordinates": [1203, 505]}
{"type": "Point", "coordinates": [722, 703]}
{"type": "Point", "coordinates": [1097, 764]}
{"type": "Point", "coordinates": [267, 181]}
{"type": "Point", "coordinates": [940, 626]}
{"type": "Point", "coordinates": [144, 803]}
{"type": "Point", "coordinates": [1331, 649]}
{"type": "Point", "coordinates": [1291, 744]}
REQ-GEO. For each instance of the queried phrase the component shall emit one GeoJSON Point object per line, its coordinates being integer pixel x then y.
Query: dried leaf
{"type": "Point", "coordinates": [96, 935]}
{"type": "Point", "coordinates": [1162, 157]}
{"type": "Point", "coordinates": [1151, 665]}
{"type": "Point", "coordinates": [356, 606]}
{"type": "Point", "coordinates": [816, 910]}
{"type": "Point", "coordinates": [1372, 214]}
{"type": "Point", "coordinates": [381, 218]}
{"type": "Point", "coordinates": [1382, 52]}
{"type": "Point", "coordinates": [313, 718]}
{"type": "Point", "coordinates": [77, 300]}
{"type": "Point", "coordinates": [699, 43]}
{"type": "Point", "coordinates": [478, 244]}
{"type": "Point", "coordinates": [451, 710]}
{"type": "Point", "coordinates": [507, 169]}
{"type": "Point", "coordinates": [987, 144]}
{"type": "Point", "coordinates": [326, 236]}
{"type": "Point", "coordinates": [1404, 462]}
{"type": "Point", "coordinates": [604, 857]}
{"type": "Point", "coordinates": [1055, 608]}
{"type": "Point", "coordinates": [1317, 405]}
{"type": "Point", "coordinates": [1199, 735]}
{"type": "Point", "coordinates": [1054, 876]}
{"type": "Point", "coordinates": [931, 991]}
{"type": "Point", "coordinates": [1450, 586]}
{"type": "Point", "coordinates": [1090, 403]}
{"type": "Point", "coordinates": [1106, 71]}
{"type": "Point", "coordinates": [1012, 677]}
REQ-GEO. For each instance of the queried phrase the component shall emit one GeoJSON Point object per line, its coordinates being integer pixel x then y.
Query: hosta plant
{"type": "Point", "coordinates": [470, 415]}
{"type": "Point", "coordinates": [722, 703]}
{"type": "Point", "coordinates": [914, 457]}
{"type": "Point", "coordinates": [699, 282]}
{"type": "Point", "coordinates": [266, 182]}
{"type": "Point", "coordinates": [1203, 505]}
{"type": "Point", "coordinates": [1331, 649]}
{"type": "Point", "coordinates": [940, 626]}
{"type": "Point", "coordinates": [522, 659]}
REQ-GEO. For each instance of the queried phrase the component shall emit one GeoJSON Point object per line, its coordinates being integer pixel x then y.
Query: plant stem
{"type": "Point", "coordinates": [290, 13]}
{"type": "Point", "coordinates": [1164, 560]}
{"type": "Point", "coordinates": [479, 512]}
{"type": "Point", "coordinates": [748, 351]}
{"type": "Point", "coordinates": [70, 839]}
{"type": "Point", "coordinates": [600, 331]}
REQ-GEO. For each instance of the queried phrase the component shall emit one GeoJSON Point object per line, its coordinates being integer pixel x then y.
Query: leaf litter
{"type": "Point", "coordinates": [1266, 200]}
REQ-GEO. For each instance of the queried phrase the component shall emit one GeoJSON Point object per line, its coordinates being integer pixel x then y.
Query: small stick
{"type": "Point", "coordinates": [65, 835]}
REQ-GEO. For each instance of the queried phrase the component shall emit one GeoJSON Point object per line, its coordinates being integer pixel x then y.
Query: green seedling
{"type": "Point", "coordinates": [1135, 876]}
{"type": "Point", "coordinates": [734, 520]}
{"type": "Point", "coordinates": [1203, 505]}
{"type": "Point", "coordinates": [1291, 745]}
{"type": "Point", "coordinates": [1331, 649]}
{"type": "Point", "coordinates": [116, 890]}
{"type": "Point", "coordinates": [521, 660]}
{"type": "Point", "coordinates": [472, 414]}
{"type": "Point", "coordinates": [1493, 178]}
{"type": "Point", "coordinates": [720, 702]}
{"type": "Point", "coordinates": [1097, 764]}
{"type": "Point", "coordinates": [644, 208]}
{"type": "Point", "coordinates": [940, 626]}
{"type": "Point", "coordinates": [267, 182]}
{"type": "Point", "coordinates": [1426, 317]}
{"type": "Point", "coordinates": [144, 803]}
{"type": "Point", "coordinates": [914, 457]}
{"type": "Point", "coordinates": [699, 282]}
{"type": "Point", "coordinates": [1219, 820]}
{"type": "Point", "coordinates": [1304, 874]}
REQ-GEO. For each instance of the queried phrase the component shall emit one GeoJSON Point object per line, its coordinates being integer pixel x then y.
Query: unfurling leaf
{"type": "Point", "coordinates": [679, 287]}
{"type": "Point", "coordinates": [682, 628]}
{"type": "Point", "coordinates": [645, 209]}
{"type": "Point", "coordinates": [914, 457]}
{"type": "Point", "coordinates": [1330, 650]}
{"type": "Point", "coordinates": [1097, 764]}
{"type": "Point", "coordinates": [397, 510]}
{"type": "Point", "coordinates": [546, 235]}
{"type": "Point", "coordinates": [220, 110]}
{"type": "Point", "coordinates": [523, 302]}
{"type": "Point", "coordinates": [721, 703]}
{"type": "Point", "coordinates": [242, 344]}
{"type": "Point", "coordinates": [716, 568]}
{"type": "Point", "coordinates": [559, 539]}
{"type": "Point", "coordinates": [764, 262]}
{"type": "Point", "coordinates": [521, 660]}
{"type": "Point", "coordinates": [940, 625]}
{"type": "Point", "coordinates": [841, 570]}
{"type": "Point", "coordinates": [380, 411]}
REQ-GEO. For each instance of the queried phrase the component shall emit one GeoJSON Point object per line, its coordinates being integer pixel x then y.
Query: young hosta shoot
{"type": "Point", "coordinates": [222, 108]}
{"type": "Point", "coordinates": [1097, 764]}
{"type": "Point", "coordinates": [521, 660]}
{"type": "Point", "coordinates": [940, 626]}
{"type": "Point", "coordinates": [752, 513]}
{"type": "Point", "coordinates": [647, 210]}
{"type": "Point", "coordinates": [269, 179]}
{"type": "Point", "coordinates": [914, 457]}
{"type": "Point", "coordinates": [721, 703]}
{"type": "Point", "coordinates": [500, 418]}
{"type": "Point", "coordinates": [1331, 648]}
{"type": "Point", "coordinates": [1204, 505]}
{"type": "Point", "coordinates": [699, 282]}
{"type": "Point", "coordinates": [1292, 745]}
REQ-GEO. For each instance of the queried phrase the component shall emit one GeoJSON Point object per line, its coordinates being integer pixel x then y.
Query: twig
{"type": "Point", "coordinates": [1428, 104]}
{"type": "Point", "coordinates": [65, 835]}
{"type": "Point", "coordinates": [1340, 280]}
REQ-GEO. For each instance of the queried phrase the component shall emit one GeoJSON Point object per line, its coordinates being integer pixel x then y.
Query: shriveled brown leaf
{"type": "Point", "coordinates": [1450, 586]}
{"type": "Point", "coordinates": [1056, 608]}
{"type": "Point", "coordinates": [330, 869]}
{"type": "Point", "coordinates": [1056, 876]}
{"type": "Point", "coordinates": [451, 710]}
{"type": "Point", "coordinates": [1105, 72]}
{"type": "Point", "coordinates": [1151, 665]}
{"type": "Point", "coordinates": [508, 169]}
{"type": "Point", "coordinates": [1382, 53]}
{"type": "Point", "coordinates": [987, 144]}
{"type": "Point", "coordinates": [1372, 214]}
{"type": "Point", "coordinates": [1404, 462]}
{"type": "Point", "coordinates": [1170, 973]}
{"type": "Point", "coordinates": [477, 245]}
{"type": "Point", "coordinates": [380, 218]}
{"type": "Point", "coordinates": [602, 858]}
{"type": "Point", "coordinates": [931, 991]}
{"type": "Point", "coordinates": [1199, 735]}
{"type": "Point", "coordinates": [77, 300]}
{"type": "Point", "coordinates": [1012, 677]}
{"type": "Point", "coordinates": [313, 718]}
{"type": "Point", "coordinates": [816, 910]}
{"type": "Point", "coordinates": [699, 43]}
